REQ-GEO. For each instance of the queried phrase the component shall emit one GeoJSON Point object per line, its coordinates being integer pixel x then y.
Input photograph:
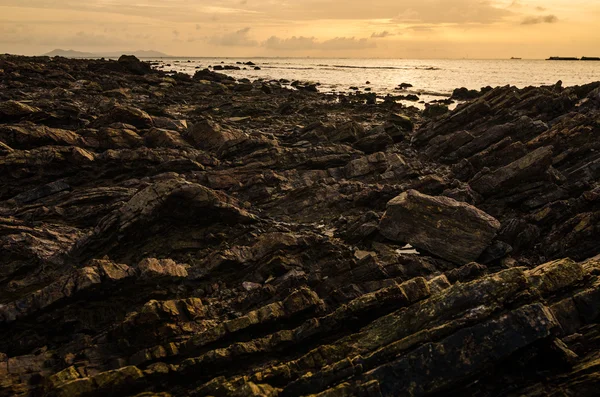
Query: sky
{"type": "Point", "coordinates": [476, 29]}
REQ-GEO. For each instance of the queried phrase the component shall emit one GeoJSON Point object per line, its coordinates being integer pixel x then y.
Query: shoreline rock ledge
{"type": "Point", "coordinates": [450, 229]}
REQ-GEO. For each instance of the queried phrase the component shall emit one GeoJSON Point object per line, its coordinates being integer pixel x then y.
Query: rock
{"type": "Point", "coordinates": [434, 110]}
{"type": "Point", "coordinates": [133, 65]}
{"type": "Point", "coordinates": [154, 268]}
{"type": "Point", "coordinates": [41, 192]}
{"type": "Point", "coordinates": [463, 94]}
{"type": "Point", "coordinates": [374, 143]}
{"type": "Point", "coordinates": [26, 136]}
{"type": "Point", "coordinates": [14, 110]}
{"type": "Point", "coordinates": [531, 166]}
{"type": "Point", "coordinates": [402, 121]}
{"type": "Point", "coordinates": [445, 227]}
{"type": "Point", "coordinates": [207, 134]}
{"type": "Point", "coordinates": [129, 115]}
{"type": "Point", "coordinates": [158, 137]}
{"type": "Point", "coordinates": [206, 241]}
{"type": "Point", "coordinates": [119, 138]}
{"type": "Point", "coordinates": [444, 363]}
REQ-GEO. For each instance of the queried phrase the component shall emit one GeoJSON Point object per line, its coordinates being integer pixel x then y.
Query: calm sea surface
{"type": "Point", "coordinates": [429, 78]}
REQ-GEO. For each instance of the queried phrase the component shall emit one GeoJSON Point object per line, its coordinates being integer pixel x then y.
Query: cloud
{"type": "Point", "coordinates": [310, 43]}
{"type": "Point", "coordinates": [421, 28]}
{"type": "Point", "coordinates": [538, 20]}
{"type": "Point", "coordinates": [381, 35]}
{"type": "Point", "coordinates": [345, 43]}
{"type": "Point", "coordinates": [292, 43]}
{"type": "Point", "coordinates": [455, 12]}
{"type": "Point", "coordinates": [244, 13]}
{"type": "Point", "coordinates": [238, 38]}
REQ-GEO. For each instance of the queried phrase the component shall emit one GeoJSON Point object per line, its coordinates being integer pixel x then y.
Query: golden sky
{"type": "Point", "coordinates": [317, 28]}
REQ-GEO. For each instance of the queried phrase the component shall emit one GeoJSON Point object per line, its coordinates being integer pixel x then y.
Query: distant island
{"type": "Point", "coordinates": [573, 59]}
{"type": "Point", "coordinates": [80, 54]}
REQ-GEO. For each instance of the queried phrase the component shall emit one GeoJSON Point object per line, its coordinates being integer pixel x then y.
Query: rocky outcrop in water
{"type": "Point", "coordinates": [167, 235]}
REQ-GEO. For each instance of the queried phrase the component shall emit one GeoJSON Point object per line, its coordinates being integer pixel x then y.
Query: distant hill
{"type": "Point", "coordinates": [79, 54]}
{"type": "Point", "coordinates": [70, 54]}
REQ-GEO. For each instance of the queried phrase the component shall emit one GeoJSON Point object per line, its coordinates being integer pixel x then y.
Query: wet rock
{"type": "Point", "coordinates": [445, 227]}
{"type": "Point", "coordinates": [464, 94]}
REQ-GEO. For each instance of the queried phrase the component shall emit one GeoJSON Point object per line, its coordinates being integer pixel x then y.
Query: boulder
{"type": "Point", "coordinates": [132, 64]}
{"type": "Point", "coordinates": [455, 231]}
{"type": "Point", "coordinates": [207, 134]}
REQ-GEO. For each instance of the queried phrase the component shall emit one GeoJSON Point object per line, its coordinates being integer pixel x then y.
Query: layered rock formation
{"type": "Point", "coordinates": [163, 235]}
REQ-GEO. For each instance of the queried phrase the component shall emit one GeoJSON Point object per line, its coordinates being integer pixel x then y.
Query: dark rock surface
{"type": "Point", "coordinates": [453, 230]}
{"type": "Point", "coordinates": [167, 235]}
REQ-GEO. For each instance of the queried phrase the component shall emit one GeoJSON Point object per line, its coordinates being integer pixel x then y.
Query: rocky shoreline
{"type": "Point", "coordinates": [167, 235]}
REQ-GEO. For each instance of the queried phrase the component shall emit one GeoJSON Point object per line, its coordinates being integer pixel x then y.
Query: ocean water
{"type": "Point", "coordinates": [430, 78]}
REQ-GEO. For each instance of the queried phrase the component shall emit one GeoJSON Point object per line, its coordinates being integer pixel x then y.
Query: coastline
{"type": "Point", "coordinates": [177, 235]}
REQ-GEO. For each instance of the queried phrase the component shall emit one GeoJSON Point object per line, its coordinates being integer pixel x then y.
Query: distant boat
{"type": "Point", "coordinates": [562, 59]}
{"type": "Point", "coordinates": [515, 58]}
{"type": "Point", "coordinates": [590, 58]}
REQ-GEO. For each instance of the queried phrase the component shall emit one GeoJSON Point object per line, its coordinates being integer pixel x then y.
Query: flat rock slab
{"type": "Point", "coordinates": [450, 229]}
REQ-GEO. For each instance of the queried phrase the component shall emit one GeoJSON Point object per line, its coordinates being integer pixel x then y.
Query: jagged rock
{"type": "Point", "coordinates": [154, 268]}
{"type": "Point", "coordinates": [136, 263]}
{"type": "Point", "coordinates": [118, 138]}
{"type": "Point", "coordinates": [529, 167]}
{"type": "Point", "coordinates": [445, 227]}
{"type": "Point", "coordinates": [26, 136]}
{"type": "Point", "coordinates": [14, 110]}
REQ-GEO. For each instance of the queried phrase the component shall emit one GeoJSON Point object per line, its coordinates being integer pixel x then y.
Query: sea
{"type": "Point", "coordinates": [431, 79]}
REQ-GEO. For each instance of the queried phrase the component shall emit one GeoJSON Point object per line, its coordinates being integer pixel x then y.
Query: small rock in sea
{"type": "Point", "coordinates": [371, 98]}
{"type": "Point", "coordinates": [464, 94]}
